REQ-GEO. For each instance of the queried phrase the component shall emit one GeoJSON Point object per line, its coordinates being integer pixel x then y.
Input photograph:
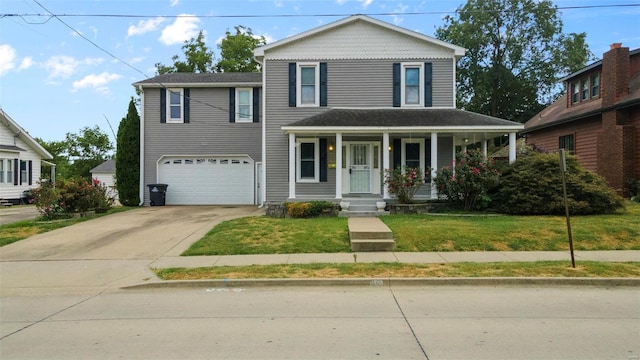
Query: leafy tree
{"type": "Point", "coordinates": [128, 157]}
{"type": "Point", "coordinates": [198, 58]}
{"type": "Point", "coordinates": [58, 149]}
{"type": "Point", "coordinates": [516, 52]}
{"type": "Point", "coordinates": [86, 150]}
{"type": "Point", "coordinates": [236, 51]}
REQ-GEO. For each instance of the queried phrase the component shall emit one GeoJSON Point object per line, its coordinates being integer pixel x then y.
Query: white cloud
{"type": "Point", "coordinates": [136, 60]}
{"type": "Point", "coordinates": [26, 63]}
{"type": "Point", "coordinates": [7, 57]}
{"type": "Point", "coordinates": [365, 3]}
{"type": "Point", "coordinates": [97, 82]}
{"type": "Point", "coordinates": [184, 28]}
{"type": "Point", "coordinates": [144, 26]}
{"type": "Point", "coordinates": [401, 9]}
{"type": "Point", "coordinates": [61, 66]}
{"type": "Point", "coordinates": [64, 66]}
{"type": "Point", "coordinates": [278, 3]}
{"type": "Point", "coordinates": [174, 2]}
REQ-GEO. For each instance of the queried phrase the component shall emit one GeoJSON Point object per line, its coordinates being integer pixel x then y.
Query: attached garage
{"type": "Point", "coordinates": [211, 180]}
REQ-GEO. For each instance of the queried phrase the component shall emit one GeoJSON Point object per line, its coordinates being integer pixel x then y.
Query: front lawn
{"type": "Point", "coordinates": [417, 233]}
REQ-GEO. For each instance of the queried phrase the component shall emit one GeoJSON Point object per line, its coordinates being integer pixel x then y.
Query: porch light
{"type": "Point", "coordinates": [466, 140]}
{"type": "Point", "coordinates": [331, 147]}
{"type": "Point", "coordinates": [389, 148]}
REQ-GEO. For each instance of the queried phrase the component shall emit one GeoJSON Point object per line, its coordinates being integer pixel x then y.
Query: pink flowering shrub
{"type": "Point", "coordinates": [71, 196]}
{"type": "Point", "coordinates": [404, 182]}
{"type": "Point", "coordinates": [466, 183]}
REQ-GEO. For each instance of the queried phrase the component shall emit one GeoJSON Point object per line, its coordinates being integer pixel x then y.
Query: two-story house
{"type": "Point", "coordinates": [598, 118]}
{"type": "Point", "coordinates": [338, 105]}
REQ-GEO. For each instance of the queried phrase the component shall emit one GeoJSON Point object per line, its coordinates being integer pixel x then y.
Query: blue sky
{"type": "Point", "coordinates": [53, 81]}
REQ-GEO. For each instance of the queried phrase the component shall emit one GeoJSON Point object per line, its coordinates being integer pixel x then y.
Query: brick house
{"type": "Point", "coordinates": [598, 118]}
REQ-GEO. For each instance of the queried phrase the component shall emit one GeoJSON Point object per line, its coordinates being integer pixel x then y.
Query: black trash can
{"type": "Point", "coordinates": [157, 194]}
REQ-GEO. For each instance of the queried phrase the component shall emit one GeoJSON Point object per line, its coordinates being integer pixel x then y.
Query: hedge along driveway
{"type": "Point", "coordinates": [413, 233]}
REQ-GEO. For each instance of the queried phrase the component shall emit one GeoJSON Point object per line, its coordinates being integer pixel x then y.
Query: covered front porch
{"type": "Point", "coordinates": [343, 153]}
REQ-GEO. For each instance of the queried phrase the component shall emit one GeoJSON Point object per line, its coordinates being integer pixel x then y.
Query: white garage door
{"type": "Point", "coordinates": [214, 180]}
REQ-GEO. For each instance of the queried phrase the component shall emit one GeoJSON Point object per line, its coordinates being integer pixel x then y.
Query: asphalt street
{"type": "Point", "coordinates": [374, 322]}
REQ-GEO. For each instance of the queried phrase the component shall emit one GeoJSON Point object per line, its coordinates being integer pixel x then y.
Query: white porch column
{"type": "Point", "coordinates": [339, 166]}
{"type": "Point", "coordinates": [292, 166]}
{"type": "Point", "coordinates": [434, 164]}
{"type": "Point", "coordinates": [385, 162]}
{"type": "Point", "coordinates": [484, 150]}
{"type": "Point", "coordinates": [512, 147]}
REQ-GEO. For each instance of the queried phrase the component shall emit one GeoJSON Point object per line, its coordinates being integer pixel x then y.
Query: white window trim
{"type": "Point", "coordinates": [403, 67]}
{"type": "Point", "coordinates": [2, 170]}
{"type": "Point", "coordinates": [237, 109]}
{"type": "Point", "coordinates": [316, 160]}
{"type": "Point", "coordinates": [168, 111]}
{"type": "Point", "coordinates": [406, 141]}
{"type": "Point", "coordinates": [315, 65]}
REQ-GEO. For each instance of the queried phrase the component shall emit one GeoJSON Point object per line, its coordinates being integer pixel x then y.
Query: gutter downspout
{"type": "Point", "coordinates": [141, 180]}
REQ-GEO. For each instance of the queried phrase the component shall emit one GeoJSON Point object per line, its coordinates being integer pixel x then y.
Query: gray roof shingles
{"type": "Point", "coordinates": [400, 118]}
{"type": "Point", "coordinates": [108, 166]}
{"type": "Point", "coordinates": [203, 78]}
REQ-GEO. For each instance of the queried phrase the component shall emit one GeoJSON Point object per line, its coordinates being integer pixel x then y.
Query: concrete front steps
{"type": "Point", "coordinates": [362, 207]}
{"type": "Point", "coordinates": [370, 234]}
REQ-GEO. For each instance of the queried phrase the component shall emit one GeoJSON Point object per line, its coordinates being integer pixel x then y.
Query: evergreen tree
{"type": "Point", "coordinates": [128, 158]}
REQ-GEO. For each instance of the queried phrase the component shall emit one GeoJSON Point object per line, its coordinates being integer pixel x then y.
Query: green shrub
{"type": "Point", "coordinates": [404, 182]}
{"type": "Point", "coordinates": [633, 190]}
{"type": "Point", "coordinates": [467, 184]}
{"type": "Point", "coordinates": [533, 185]}
{"type": "Point", "coordinates": [71, 196]}
{"type": "Point", "coordinates": [307, 209]}
{"type": "Point", "coordinates": [47, 200]}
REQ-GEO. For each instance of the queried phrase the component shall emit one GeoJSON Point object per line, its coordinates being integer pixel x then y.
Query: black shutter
{"type": "Point", "coordinates": [396, 85]}
{"type": "Point", "coordinates": [397, 153]}
{"type": "Point", "coordinates": [323, 160]}
{"type": "Point", "coordinates": [323, 84]}
{"type": "Point", "coordinates": [16, 172]}
{"type": "Point", "coordinates": [428, 91]}
{"type": "Point", "coordinates": [30, 176]}
{"type": "Point", "coordinates": [232, 105]}
{"type": "Point", "coordinates": [256, 105]}
{"type": "Point", "coordinates": [163, 106]}
{"type": "Point", "coordinates": [186, 97]}
{"type": "Point", "coordinates": [292, 84]}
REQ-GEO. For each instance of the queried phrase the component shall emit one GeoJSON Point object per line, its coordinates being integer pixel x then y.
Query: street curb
{"type": "Point", "coordinates": [380, 282]}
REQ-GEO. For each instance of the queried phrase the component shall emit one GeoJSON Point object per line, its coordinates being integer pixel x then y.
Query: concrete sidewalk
{"type": "Point", "coordinates": [401, 257]}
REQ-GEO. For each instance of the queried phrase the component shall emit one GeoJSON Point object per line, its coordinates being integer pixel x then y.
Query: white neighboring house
{"type": "Point", "coordinates": [106, 174]}
{"type": "Point", "coordinates": [21, 161]}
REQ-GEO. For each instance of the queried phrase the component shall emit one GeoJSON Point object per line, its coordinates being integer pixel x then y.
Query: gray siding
{"type": "Point", "coordinates": [209, 131]}
{"type": "Point", "coordinates": [350, 83]}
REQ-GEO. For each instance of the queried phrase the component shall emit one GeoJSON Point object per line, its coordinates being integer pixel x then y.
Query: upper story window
{"type": "Point", "coordinates": [595, 85]}
{"type": "Point", "coordinates": [412, 84]}
{"type": "Point", "coordinates": [175, 105]}
{"type": "Point", "coordinates": [585, 89]}
{"type": "Point", "coordinates": [244, 105]}
{"type": "Point", "coordinates": [308, 84]}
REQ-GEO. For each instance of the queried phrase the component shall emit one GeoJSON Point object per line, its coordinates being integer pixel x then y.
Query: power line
{"type": "Point", "coordinates": [249, 16]}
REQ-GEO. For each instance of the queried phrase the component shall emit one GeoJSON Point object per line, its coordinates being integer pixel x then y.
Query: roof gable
{"type": "Point", "coordinates": [8, 124]}
{"type": "Point", "coordinates": [358, 37]}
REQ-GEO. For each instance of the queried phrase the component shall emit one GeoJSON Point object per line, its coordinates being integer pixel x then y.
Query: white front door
{"type": "Point", "coordinates": [360, 168]}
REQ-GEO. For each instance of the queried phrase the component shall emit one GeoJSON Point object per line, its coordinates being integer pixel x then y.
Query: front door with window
{"type": "Point", "coordinates": [360, 168]}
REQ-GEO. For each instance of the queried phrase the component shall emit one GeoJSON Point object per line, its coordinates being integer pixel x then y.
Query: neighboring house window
{"type": "Point", "coordinates": [595, 85]}
{"type": "Point", "coordinates": [412, 84]}
{"type": "Point", "coordinates": [585, 89]}
{"type": "Point", "coordinates": [575, 92]}
{"type": "Point", "coordinates": [174, 105]}
{"type": "Point", "coordinates": [308, 84]}
{"type": "Point", "coordinates": [566, 142]}
{"type": "Point", "coordinates": [308, 165]}
{"type": "Point", "coordinates": [9, 171]}
{"type": "Point", "coordinates": [413, 153]}
{"type": "Point", "coordinates": [2, 175]}
{"type": "Point", "coordinates": [244, 105]}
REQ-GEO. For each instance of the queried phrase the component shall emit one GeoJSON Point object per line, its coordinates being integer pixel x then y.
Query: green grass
{"type": "Point", "coordinates": [417, 233]}
{"type": "Point", "coordinates": [391, 270]}
{"type": "Point", "coordinates": [265, 235]}
{"type": "Point", "coordinates": [20, 230]}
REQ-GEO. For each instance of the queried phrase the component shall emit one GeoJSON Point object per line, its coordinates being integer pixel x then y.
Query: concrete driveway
{"type": "Point", "coordinates": [10, 214]}
{"type": "Point", "coordinates": [146, 233]}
